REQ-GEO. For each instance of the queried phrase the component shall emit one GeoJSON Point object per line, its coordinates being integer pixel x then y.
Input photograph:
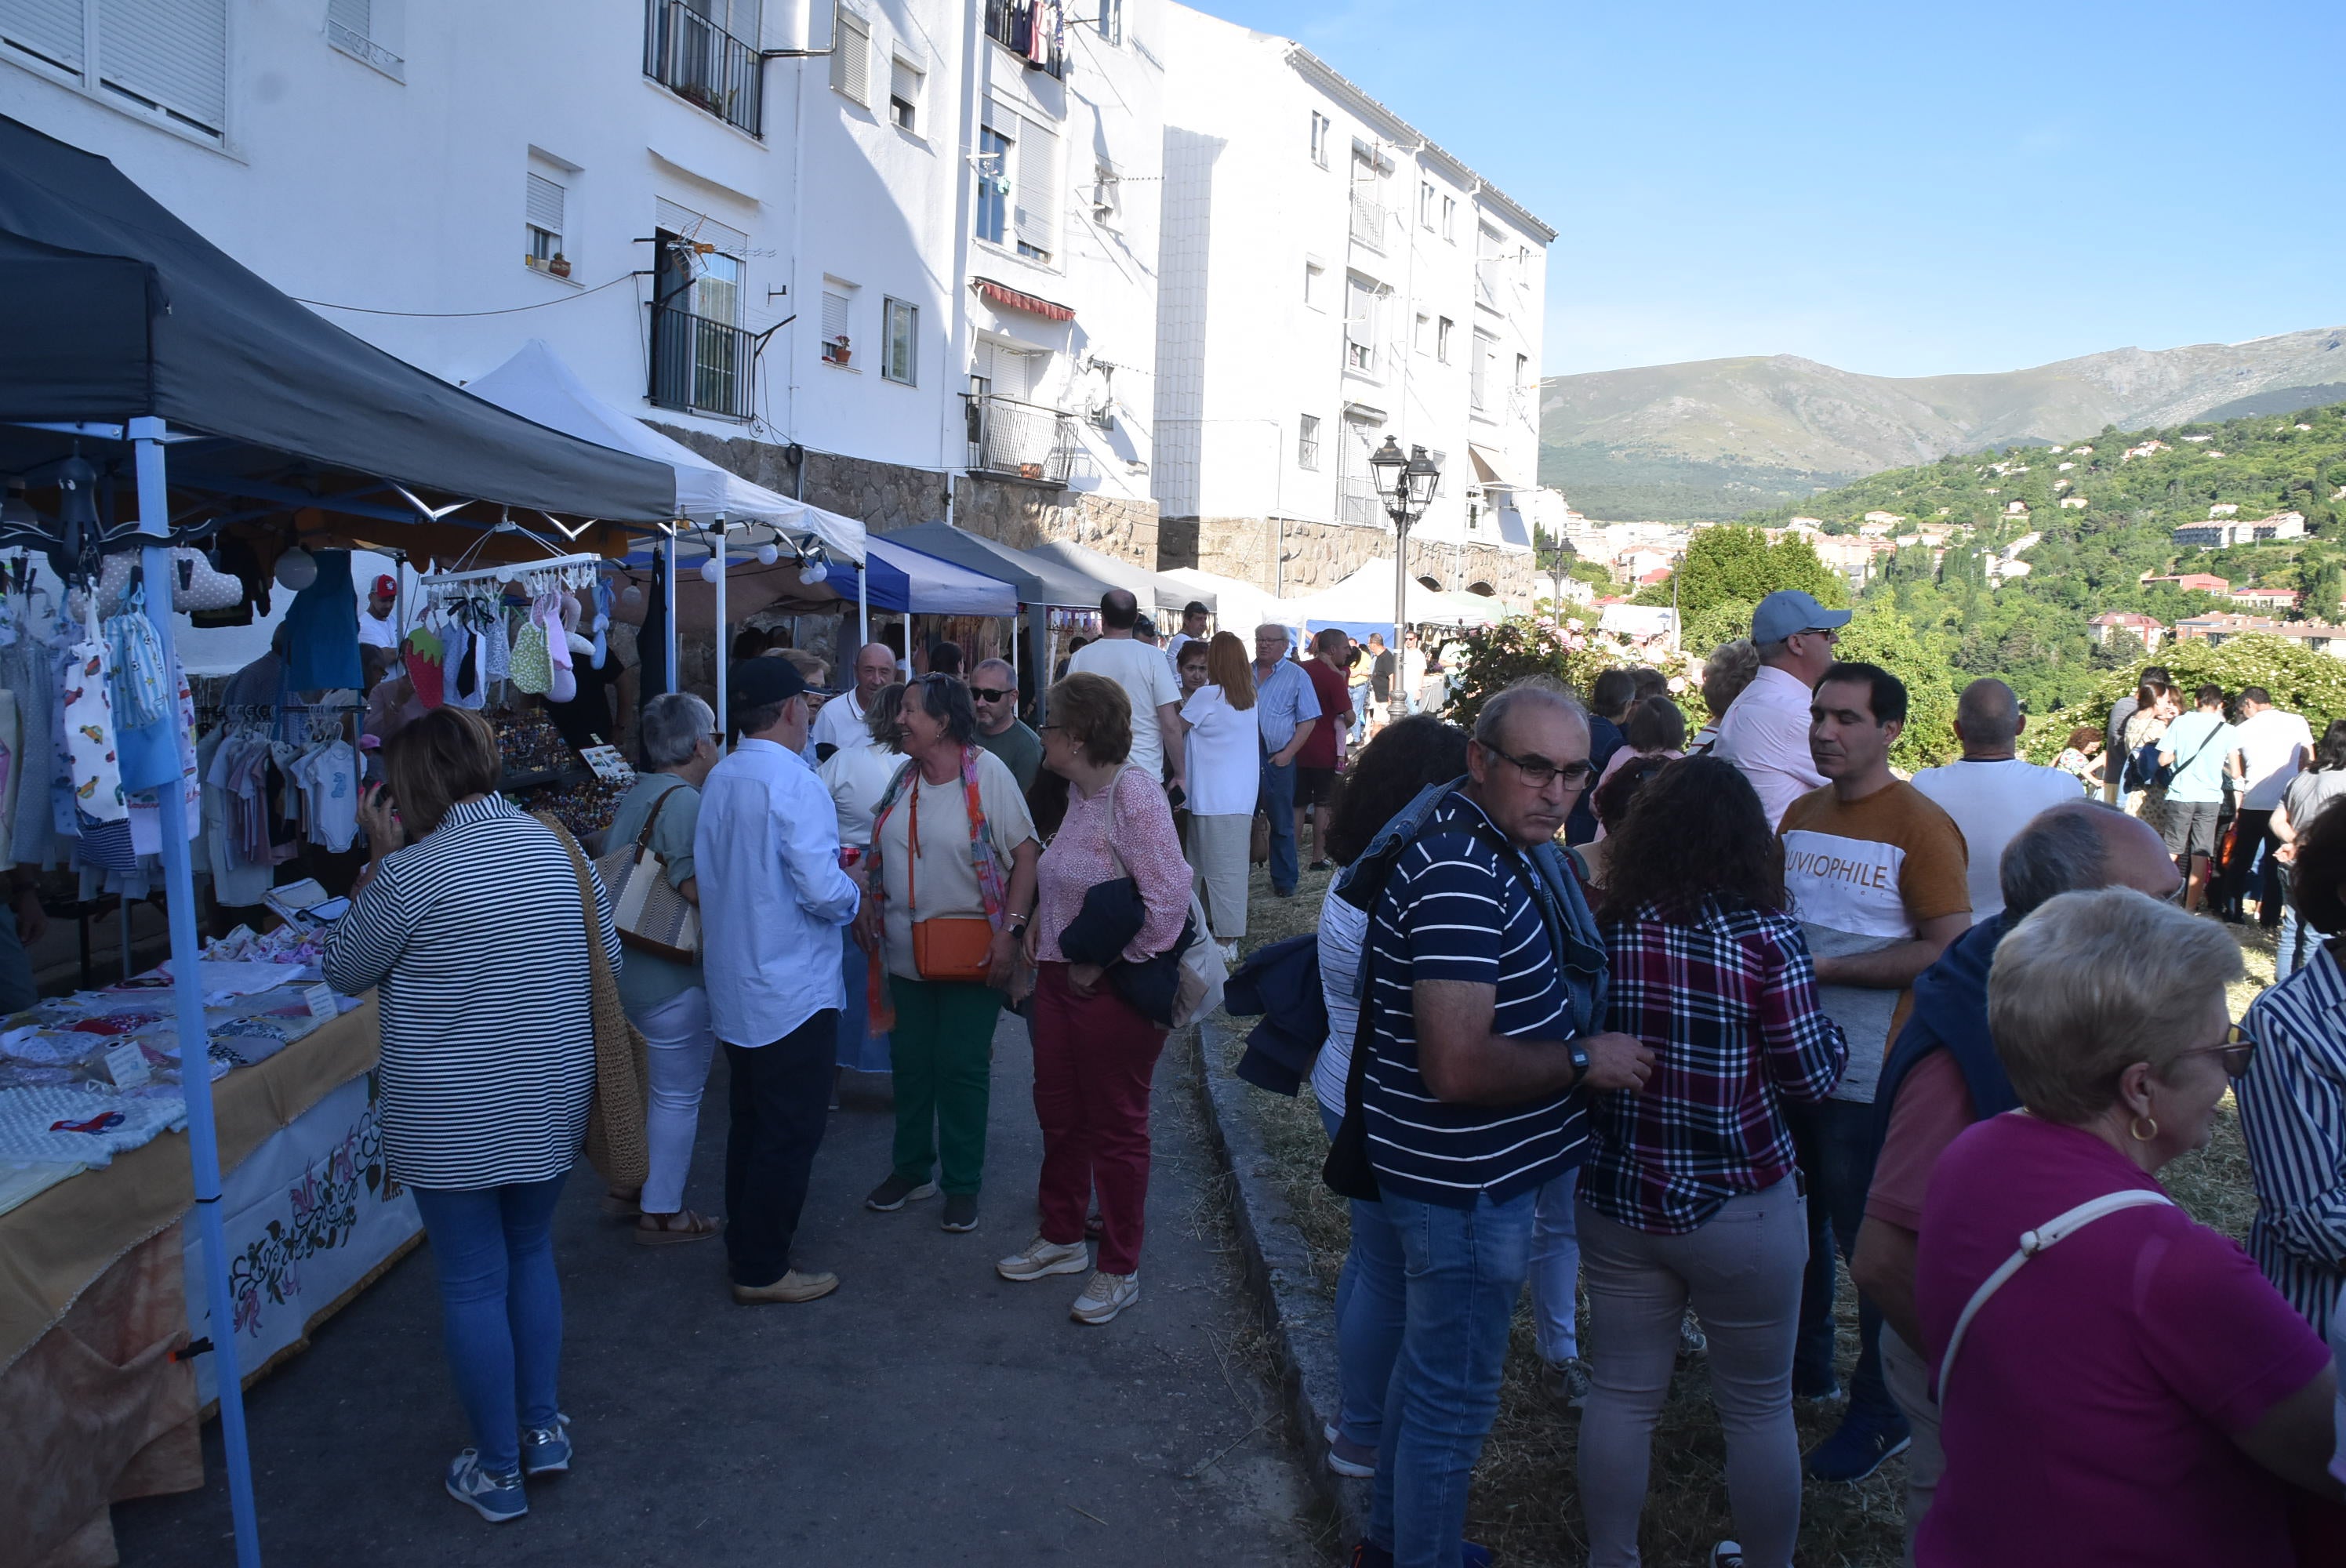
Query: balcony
{"type": "Point", "coordinates": [703, 63]}
{"type": "Point", "coordinates": [1358, 503]}
{"type": "Point", "coordinates": [704, 366]}
{"type": "Point", "coordinates": [1011, 24]}
{"type": "Point", "coordinates": [1019, 440]}
{"type": "Point", "coordinates": [1368, 220]}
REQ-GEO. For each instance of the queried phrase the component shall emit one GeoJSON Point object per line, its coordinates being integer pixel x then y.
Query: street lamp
{"type": "Point", "coordinates": [1406, 487]}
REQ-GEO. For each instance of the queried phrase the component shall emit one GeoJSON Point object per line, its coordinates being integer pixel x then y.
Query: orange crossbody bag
{"type": "Point", "coordinates": [950, 947]}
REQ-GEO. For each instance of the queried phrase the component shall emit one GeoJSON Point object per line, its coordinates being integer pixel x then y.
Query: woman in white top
{"type": "Point", "coordinates": [1223, 768]}
{"type": "Point", "coordinates": [1399, 760]}
{"type": "Point", "coordinates": [856, 777]}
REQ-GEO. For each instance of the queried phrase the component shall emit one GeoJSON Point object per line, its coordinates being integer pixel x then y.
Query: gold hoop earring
{"type": "Point", "coordinates": [2133, 1129]}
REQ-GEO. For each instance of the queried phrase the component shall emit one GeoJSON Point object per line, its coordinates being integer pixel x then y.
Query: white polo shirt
{"type": "Point", "coordinates": [1766, 735]}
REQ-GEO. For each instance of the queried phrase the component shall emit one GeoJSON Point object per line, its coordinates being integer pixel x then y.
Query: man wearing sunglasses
{"type": "Point", "coordinates": [1944, 1074]}
{"type": "Point", "coordinates": [993, 689]}
{"type": "Point", "coordinates": [1766, 731]}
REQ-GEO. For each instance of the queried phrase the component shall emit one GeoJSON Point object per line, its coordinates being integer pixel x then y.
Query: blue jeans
{"type": "Point", "coordinates": [1369, 1316]}
{"type": "Point", "coordinates": [1556, 1271]}
{"type": "Point", "coordinates": [1462, 1271]}
{"type": "Point", "coordinates": [2297, 940]}
{"type": "Point", "coordinates": [1278, 802]}
{"type": "Point", "coordinates": [500, 1307]}
{"type": "Point", "coordinates": [1834, 1142]}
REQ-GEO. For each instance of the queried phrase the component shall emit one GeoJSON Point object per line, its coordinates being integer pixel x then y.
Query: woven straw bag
{"type": "Point", "coordinates": [645, 904]}
{"type": "Point", "coordinates": [615, 1115]}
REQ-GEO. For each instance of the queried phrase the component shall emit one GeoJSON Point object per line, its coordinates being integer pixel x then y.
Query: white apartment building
{"type": "Point", "coordinates": [1330, 276]}
{"type": "Point", "coordinates": [888, 255]}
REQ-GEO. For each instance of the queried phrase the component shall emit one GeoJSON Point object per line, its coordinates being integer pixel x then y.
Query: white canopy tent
{"type": "Point", "coordinates": [1363, 602]}
{"type": "Point", "coordinates": [1241, 606]}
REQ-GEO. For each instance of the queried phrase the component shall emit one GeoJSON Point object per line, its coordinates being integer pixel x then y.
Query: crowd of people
{"type": "Point", "coordinates": [1684, 1022]}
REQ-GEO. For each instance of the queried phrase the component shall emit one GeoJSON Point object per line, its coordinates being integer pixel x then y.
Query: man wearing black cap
{"type": "Point", "coordinates": [772, 899]}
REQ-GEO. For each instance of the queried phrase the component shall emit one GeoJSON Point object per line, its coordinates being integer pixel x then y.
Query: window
{"type": "Point", "coordinates": [166, 60]}
{"type": "Point", "coordinates": [1315, 285]}
{"type": "Point", "coordinates": [1522, 372]}
{"type": "Point", "coordinates": [1029, 168]}
{"type": "Point", "coordinates": [543, 221]}
{"type": "Point", "coordinates": [701, 357]}
{"type": "Point", "coordinates": [1450, 219]}
{"type": "Point", "coordinates": [993, 185]}
{"type": "Point", "coordinates": [1421, 337]}
{"type": "Point", "coordinates": [1425, 209]}
{"type": "Point", "coordinates": [1111, 21]}
{"type": "Point", "coordinates": [1442, 333]}
{"type": "Point", "coordinates": [1320, 126]}
{"type": "Point", "coordinates": [900, 350]}
{"type": "Point", "coordinates": [838, 346]}
{"type": "Point", "coordinates": [1481, 372]}
{"type": "Point", "coordinates": [850, 57]}
{"type": "Point", "coordinates": [705, 53]}
{"type": "Point", "coordinates": [904, 80]}
{"type": "Point", "coordinates": [1359, 325]}
{"type": "Point", "coordinates": [362, 29]}
{"type": "Point", "coordinates": [1307, 442]}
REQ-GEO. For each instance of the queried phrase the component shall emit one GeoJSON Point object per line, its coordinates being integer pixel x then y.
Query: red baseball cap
{"type": "Point", "coordinates": [386, 588]}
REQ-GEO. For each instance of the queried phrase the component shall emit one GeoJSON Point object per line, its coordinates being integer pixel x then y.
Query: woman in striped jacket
{"type": "Point", "coordinates": [469, 919]}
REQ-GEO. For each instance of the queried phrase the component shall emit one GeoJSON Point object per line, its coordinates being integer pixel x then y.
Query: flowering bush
{"type": "Point", "coordinates": [1530, 645]}
{"type": "Point", "coordinates": [2299, 681]}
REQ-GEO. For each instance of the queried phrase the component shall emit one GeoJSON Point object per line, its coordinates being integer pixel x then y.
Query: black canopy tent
{"type": "Point", "coordinates": [129, 339]}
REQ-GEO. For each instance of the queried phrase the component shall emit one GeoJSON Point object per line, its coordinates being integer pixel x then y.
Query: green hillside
{"type": "Point", "coordinates": [2032, 631]}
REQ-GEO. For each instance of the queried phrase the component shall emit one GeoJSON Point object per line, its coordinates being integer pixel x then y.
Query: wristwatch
{"type": "Point", "coordinates": [1018, 924]}
{"type": "Point", "coordinates": [1579, 1062]}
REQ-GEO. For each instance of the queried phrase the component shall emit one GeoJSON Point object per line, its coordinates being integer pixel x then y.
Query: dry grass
{"type": "Point", "coordinates": [1525, 1505]}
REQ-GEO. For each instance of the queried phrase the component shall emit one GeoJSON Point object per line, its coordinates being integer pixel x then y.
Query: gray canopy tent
{"type": "Point", "coordinates": [128, 336]}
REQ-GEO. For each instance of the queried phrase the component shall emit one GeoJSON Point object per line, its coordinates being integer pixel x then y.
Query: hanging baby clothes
{"type": "Point", "coordinates": [532, 666]}
{"type": "Point", "coordinates": [322, 624]}
{"type": "Point", "coordinates": [460, 682]}
{"type": "Point", "coordinates": [89, 729]}
{"type": "Point", "coordinates": [425, 671]}
{"type": "Point", "coordinates": [147, 814]}
{"type": "Point", "coordinates": [561, 625]}
{"type": "Point", "coordinates": [10, 770]}
{"type": "Point", "coordinates": [237, 881]}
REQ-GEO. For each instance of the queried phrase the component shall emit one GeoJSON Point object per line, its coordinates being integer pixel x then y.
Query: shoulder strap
{"type": "Point", "coordinates": [644, 839]}
{"type": "Point", "coordinates": [598, 961]}
{"type": "Point", "coordinates": [2060, 1227]}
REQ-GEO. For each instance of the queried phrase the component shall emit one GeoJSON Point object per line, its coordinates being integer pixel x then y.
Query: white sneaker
{"type": "Point", "coordinates": [1105, 1297]}
{"type": "Point", "coordinates": [1041, 1258]}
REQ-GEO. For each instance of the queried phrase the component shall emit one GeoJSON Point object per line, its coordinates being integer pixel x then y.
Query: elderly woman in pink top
{"type": "Point", "coordinates": [1095, 1056]}
{"type": "Point", "coordinates": [2130, 1388]}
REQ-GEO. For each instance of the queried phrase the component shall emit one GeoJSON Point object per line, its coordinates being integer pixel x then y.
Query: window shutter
{"type": "Point", "coordinates": [544, 204]}
{"type": "Point", "coordinates": [355, 17]}
{"type": "Point", "coordinates": [850, 57]}
{"type": "Point", "coordinates": [48, 28]}
{"type": "Point", "coordinates": [171, 53]}
{"type": "Point", "coordinates": [904, 81]}
{"type": "Point", "coordinates": [1038, 217]}
{"type": "Point", "coordinates": [834, 316]}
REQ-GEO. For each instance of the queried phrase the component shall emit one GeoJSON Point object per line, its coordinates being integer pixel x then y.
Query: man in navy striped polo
{"type": "Point", "coordinates": [1486, 997]}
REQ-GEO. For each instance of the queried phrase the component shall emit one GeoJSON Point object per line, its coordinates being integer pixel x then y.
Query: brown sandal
{"type": "Point", "coordinates": [621, 1205]}
{"type": "Point", "coordinates": [674, 1229]}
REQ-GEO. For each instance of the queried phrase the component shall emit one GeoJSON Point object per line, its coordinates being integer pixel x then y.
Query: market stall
{"type": "Point", "coordinates": [163, 397]}
{"type": "Point", "coordinates": [1238, 606]}
{"type": "Point", "coordinates": [1061, 600]}
{"type": "Point", "coordinates": [1363, 602]}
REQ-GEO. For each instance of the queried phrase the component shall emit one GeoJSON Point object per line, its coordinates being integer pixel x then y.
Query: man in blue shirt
{"type": "Point", "coordinates": [1484, 997]}
{"type": "Point", "coordinates": [1286, 708]}
{"type": "Point", "coordinates": [773, 895]}
{"type": "Point", "coordinates": [2203, 750]}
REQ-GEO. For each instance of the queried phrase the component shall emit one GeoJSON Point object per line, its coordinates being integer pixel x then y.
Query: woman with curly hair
{"type": "Point", "coordinates": [1688, 1196]}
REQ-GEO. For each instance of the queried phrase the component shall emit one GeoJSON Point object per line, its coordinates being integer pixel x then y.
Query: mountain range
{"type": "Point", "coordinates": [1713, 439]}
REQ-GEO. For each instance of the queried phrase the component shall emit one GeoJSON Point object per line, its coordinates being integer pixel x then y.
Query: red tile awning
{"type": "Point", "coordinates": [1011, 299]}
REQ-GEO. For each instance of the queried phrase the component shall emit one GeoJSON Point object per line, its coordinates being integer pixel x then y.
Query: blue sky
{"type": "Point", "coordinates": [1895, 189]}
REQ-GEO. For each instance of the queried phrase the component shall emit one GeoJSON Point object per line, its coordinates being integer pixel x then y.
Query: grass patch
{"type": "Point", "coordinates": [1526, 1503]}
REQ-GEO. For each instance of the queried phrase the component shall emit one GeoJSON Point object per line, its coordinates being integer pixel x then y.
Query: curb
{"type": "Point", "coordinates": [1302, 1322]}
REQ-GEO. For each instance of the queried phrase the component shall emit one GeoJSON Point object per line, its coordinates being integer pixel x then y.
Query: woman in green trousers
{"type": "Point", "coordinates": [950, 890]}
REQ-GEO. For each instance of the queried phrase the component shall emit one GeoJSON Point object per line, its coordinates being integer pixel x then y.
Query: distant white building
{"type": "Point", "coordinates": [2220, 536]}
{"type": "Point", "coordinates": [2225, 509]}
{"type": "Point", "coordinates": [2073, 504]}
{"type": "Point", "coordinates": [1331, 278]}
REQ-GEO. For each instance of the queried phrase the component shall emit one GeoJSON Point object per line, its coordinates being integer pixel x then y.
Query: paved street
{"type": "Point", "coordinates": [927, 1412]}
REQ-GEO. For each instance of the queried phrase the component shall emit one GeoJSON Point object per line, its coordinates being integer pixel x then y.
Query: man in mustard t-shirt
{"type": "Point", "coordinates": [1877, 875]}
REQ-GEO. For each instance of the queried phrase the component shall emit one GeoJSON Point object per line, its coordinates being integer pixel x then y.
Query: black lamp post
{"type": "Point", "coordinates": [1406, 487]}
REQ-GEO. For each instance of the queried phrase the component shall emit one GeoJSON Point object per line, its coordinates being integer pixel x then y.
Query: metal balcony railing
{"type": "Point", "coordinates": [1011, 22]}
{"type": "Point", "coordinates": [701, 63]}
{"type": "Point", "coordinates": [1367, 219]}
{"type": "Point", "coordinates": [1019, 440]}
{"type": "Point", "coordinates": [701, 364]}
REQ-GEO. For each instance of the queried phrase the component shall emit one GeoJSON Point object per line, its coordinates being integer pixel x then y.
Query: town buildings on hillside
{"type": "Point", "coordinates": [1330, 278]}
{"type": "Point", "coordinates": [2220, 533]}
{"type": "Point", "coordinates": [2193, 581]}
{"type": "Point", "coordinates": [901, 259]}
{"type": "Point", "coordinates": [2111, 624]}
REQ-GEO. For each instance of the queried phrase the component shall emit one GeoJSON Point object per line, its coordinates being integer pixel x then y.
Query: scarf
{"type": "Point", "coordinates": [993, 883]}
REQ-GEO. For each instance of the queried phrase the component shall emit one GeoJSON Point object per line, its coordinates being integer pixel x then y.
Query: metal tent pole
{"type": "Point", "coordinates": [188, 1005]}
{"type": "Point", "coordinates": [724, 653]}
{"type": "Point", "coordinates": [668, 593]}
{"type": "Point", "coordinates": [863, 603]}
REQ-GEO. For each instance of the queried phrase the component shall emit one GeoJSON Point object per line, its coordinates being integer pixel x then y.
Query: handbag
{"type": "Point", "coordinates": [614, 1144]}
{"type": "Point", "coordinates": [1177, 987]}
{"type": "Point", "coordinates": [947, 947]}
{"type": "Point", "coordinates": [644, 905]}
{"type": "Point", "coordinates": [1258, 840]}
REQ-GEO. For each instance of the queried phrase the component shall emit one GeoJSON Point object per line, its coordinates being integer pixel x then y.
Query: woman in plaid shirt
{"type": "Point", "coordinates": [1687, 1195]}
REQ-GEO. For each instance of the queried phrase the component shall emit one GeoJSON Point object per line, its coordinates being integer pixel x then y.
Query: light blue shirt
{"type": "Point", "coordinates": [1283, 699]}
{"type": "Point", "coordinates": [773, 896]}
{"type": "Point", "coordinates": [2201, 743]}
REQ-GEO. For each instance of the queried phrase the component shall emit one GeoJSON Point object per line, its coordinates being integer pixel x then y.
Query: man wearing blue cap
{"type": "Point", "coordinates": [1766, 731]}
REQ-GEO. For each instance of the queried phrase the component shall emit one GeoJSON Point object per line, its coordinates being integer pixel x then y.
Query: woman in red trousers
{"type": "Point", "coordinates": [1095, 1056]}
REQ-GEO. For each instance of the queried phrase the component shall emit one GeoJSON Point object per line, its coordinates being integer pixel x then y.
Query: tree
{"type": "Point", "coordinates": [1880, 634]}
{"type": "Point", "coordinates": [1731, 563]}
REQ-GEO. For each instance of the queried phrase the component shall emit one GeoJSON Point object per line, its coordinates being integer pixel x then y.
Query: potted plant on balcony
{"type": "Point", "coordinates": [559, 266]}
{"type": "Point", "coordinates": [836, 352]}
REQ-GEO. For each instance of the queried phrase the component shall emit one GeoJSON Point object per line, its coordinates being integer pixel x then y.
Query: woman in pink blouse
{"type": "Point", "coordinates": [1094, 1055]}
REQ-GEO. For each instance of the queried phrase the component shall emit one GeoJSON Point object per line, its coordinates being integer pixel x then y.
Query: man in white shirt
{"type": "Point", "coordinates": [840, 726]}
{"type": "Point", "coordinates": [1193, 630]}
{"type": "Point", "coordinates": [2272, 747]}
{"type": "Point", "coordinates": [1766, 731]}
{"type": "Point", "coordinates": [1146, 678]}
{"type": "Point", "coordinates": [766, 855]}
{"type": "Point", "coordinates": [1991, 793]}
{"type": "Point", "coordinates": [377, 628]}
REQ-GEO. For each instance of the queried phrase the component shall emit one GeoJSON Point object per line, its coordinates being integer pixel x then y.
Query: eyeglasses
{"type": "Point", "coordinates": [1828, 633]}
{"type": "Point", "coordinates": [988, 694]}
{"type": "Point", "coordinates": [1539, 772]}
{"type": "Point", "coordinates": [2238, 1048]}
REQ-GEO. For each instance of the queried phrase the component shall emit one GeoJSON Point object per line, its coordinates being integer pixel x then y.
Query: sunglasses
{"type": "Point", "coordinates": [2238, 1048]}
{"type": "Point", "coordinates": [989, 694]}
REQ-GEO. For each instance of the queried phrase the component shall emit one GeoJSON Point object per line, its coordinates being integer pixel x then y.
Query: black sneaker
{"type": "Point", "coordinates": [897, 1192]}
{"type": "Point", "coordinates": [961, 1211]}
{"type": "Point", "coordinates": [1859, 1446]}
